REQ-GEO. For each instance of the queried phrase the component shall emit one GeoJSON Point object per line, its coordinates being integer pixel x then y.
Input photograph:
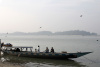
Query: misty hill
{"type": "Point", "coordinates": [32, 33]}
{"type": "Point", "coordinates": [74, 32]}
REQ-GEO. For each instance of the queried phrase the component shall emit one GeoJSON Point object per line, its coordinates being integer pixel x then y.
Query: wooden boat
{"type": "Point", "coordinates": [6, 45]}
{"type": "Point", "coordinates": [25, 53]}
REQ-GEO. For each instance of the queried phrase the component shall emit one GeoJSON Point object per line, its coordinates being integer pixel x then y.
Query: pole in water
{"type": "Point", "coordinates": [0, 47]}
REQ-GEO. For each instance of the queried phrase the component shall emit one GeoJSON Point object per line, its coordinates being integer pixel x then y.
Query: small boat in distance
{"type": "Point", "coordinates": [23, 52]}
{"type": "Point", "coordinates": [6, 45]}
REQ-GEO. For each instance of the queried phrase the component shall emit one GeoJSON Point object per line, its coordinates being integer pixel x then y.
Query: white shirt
{"type": "Point", "coordinates": [38, 49]}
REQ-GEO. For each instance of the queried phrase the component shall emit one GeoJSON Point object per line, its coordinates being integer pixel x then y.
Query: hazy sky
{"type": "Point", "coordinates": [50, 15]}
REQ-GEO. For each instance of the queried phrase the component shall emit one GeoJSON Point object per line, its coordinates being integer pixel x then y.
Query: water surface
{"type": "Point", "coordinates": [60, 43]}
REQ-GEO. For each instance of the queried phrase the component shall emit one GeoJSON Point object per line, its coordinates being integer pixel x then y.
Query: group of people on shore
{"type": "Point", "coordinates": [46, 51]}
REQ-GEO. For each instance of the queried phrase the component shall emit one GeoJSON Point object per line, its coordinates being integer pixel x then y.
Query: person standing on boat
{"type": "Point", "coordinates": [52, 50]}
{"type": "Point", "coordinates": [2, 44]}
{"type": "Point", "coordinates": [38, 49]}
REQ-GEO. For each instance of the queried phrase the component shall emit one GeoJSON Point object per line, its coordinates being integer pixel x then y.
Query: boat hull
{"type": "Point", "coordinates": [47, 55]}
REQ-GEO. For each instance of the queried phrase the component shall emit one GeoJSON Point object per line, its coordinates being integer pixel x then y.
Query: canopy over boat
{"type": "Point", "coordinates": [19, 47]}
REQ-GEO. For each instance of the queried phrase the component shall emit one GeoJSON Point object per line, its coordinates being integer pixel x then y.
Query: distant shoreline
{"type": "Point", "coordinates": [74, 32]}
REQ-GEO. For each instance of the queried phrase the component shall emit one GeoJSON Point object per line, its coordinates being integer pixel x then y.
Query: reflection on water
{"type": "Point", "coordinates": [37, 62]}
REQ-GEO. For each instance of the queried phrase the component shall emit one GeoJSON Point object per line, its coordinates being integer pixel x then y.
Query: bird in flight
{"type": "Point", "coordinates": [81, 15]}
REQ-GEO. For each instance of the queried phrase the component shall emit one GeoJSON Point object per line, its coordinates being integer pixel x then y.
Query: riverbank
{"type": "Point", "coordinates": [7, 64]}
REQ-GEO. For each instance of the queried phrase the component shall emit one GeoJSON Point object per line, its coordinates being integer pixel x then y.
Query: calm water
{"type": "Point", "coordinates": [60, 43]}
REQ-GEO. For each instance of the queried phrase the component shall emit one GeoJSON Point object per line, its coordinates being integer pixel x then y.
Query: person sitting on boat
{"type": "Point", "coordinates": [52, 50]}
{"type": "Point", "coordinates": [47, 50]}
{"type": "Point", "coordinates": [35, 50]}
{"type": "Point", "coordinates": [17, 50]}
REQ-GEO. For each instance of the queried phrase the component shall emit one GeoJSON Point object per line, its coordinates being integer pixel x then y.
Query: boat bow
{"type": "Point", "coordinates": [79, 54]}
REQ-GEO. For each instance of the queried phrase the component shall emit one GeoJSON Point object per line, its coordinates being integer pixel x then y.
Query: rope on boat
{"type": "Point", "coordinates": [89, 60]}
{"type": "Point", "coordinates": [18, 55]}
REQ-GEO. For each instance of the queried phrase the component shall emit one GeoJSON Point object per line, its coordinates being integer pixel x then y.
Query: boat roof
{"type": "Point", "coordinates": [19, 47]}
